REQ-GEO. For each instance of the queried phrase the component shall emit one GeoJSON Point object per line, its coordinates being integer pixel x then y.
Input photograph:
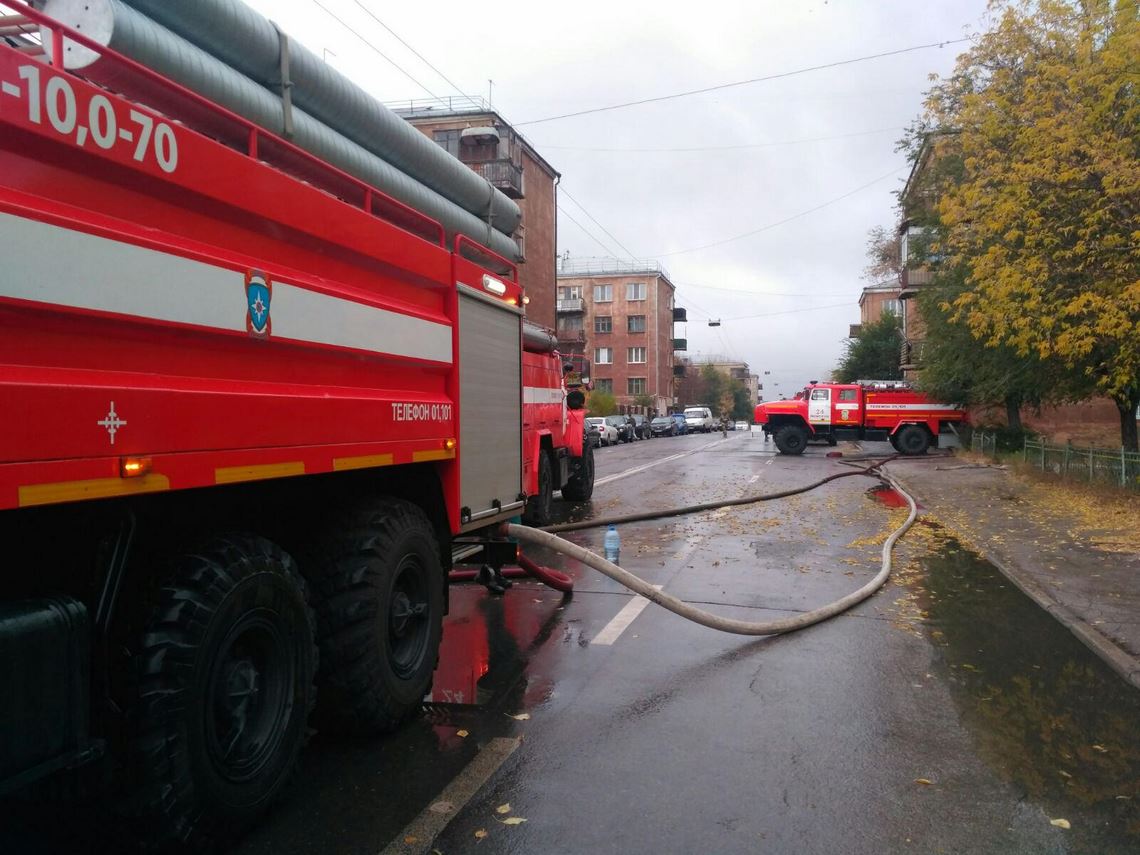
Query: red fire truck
{"type": "Point", "coordinates": [251, 406]}
{"type": "Point", "coordinates": [873, 410]}
{"type": "Point", "coordinates": [555, 455]}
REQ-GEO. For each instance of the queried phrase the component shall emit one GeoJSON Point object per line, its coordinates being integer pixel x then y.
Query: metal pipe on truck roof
{"type": "Point", "coordinates": [241, 38]}
{"type": "Point", "coordinates": [131, 33]}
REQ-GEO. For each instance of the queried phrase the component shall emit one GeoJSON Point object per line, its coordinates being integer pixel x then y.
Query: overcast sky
{"type": "Point", "coordinates": [800, 141]}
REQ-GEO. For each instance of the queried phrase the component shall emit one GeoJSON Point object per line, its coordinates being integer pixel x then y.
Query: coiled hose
{"type": "Point", "coordinates": [638, 585]}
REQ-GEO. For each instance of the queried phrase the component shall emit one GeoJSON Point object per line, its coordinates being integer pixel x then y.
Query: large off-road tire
{"type": "Point", "coordinates": [539, 506]}
{"type": "Point", "coordinates": [579, 487]}
{"type": "Point", "coordinates": [912, 440]}
{"type": "Point", "coordinates": [791, 439]}
{"type": "Point", "coordinates": [224, 688]}
{"type": "Point", "coordinates": [378, 591]}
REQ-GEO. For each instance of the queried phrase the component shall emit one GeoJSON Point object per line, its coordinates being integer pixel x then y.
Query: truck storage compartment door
{"type": "Point", "coordinates": [490, 407]}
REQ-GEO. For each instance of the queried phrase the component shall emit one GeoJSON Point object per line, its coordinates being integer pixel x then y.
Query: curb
{"type": "Point", "coordinates": [1119, 660]}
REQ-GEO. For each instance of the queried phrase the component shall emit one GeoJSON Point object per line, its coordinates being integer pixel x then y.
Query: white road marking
{"type": "Point", "coordinates": [621, 621]}
{"type": "Point", "coordinates": [636, 469]}
{"type": "Point", "coordinates": [755, 478]}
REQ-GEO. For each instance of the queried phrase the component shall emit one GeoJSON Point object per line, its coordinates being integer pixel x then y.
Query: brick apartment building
{"type": "Point", "coordinates": [478, 136]}
{"type": "Point", "coordinates": [618, 316]}
{"type": "Point", "coordinates": [876, 299]}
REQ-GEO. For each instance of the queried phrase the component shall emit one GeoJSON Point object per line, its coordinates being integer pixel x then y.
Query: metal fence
{"type": "Point", "coordinates": [1115, 467]}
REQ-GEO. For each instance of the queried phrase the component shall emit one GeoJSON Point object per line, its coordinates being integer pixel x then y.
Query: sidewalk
{"type": "Point", "coordinates": [1077, 557]}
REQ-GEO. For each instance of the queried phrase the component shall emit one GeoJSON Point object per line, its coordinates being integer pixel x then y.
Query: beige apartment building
{"type": "Point", "coordinates": [479, 136]}
{"type": "Point", "coordinates": [618, 316]}
{"type": "Point", "coordinates": [876, 299]}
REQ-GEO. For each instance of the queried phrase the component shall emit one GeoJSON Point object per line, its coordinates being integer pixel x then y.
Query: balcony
{"type": "Point", "coordinates": [571, 336]}
{"type": "Point", "coordinates": [913, 278]}
{"type": "Point", "coordinates": [680, 345]}
{"type": "Point", "coordinates": [574, 304]}
{"type": "Point", "coordinates": [680, 316]}
{"type": "Point", "coordinates": [503, 175]}
{"type": "Point", "coordinates": [910, 354]}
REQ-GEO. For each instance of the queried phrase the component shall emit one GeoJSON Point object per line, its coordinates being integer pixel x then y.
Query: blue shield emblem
{"type": "Point", "coordinates": [258, 293]}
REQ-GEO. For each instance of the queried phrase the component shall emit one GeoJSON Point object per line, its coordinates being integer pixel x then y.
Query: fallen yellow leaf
{"type": "Point", "coordinates": [926, 782]}
{"type": "Point", "coordinates": [512, 820]}
{"type": "Point", "coordinates": [462, 733]}
{"type": "Point", "coordinates": [503, 808]}
{"type": "Point", "coordinates": [480, 834]}
{"type": "Point", "coordinates": [1060, 823]}
{"type": "Point", "coordinates": [410, 839]}
{"type": "Point", "coordinates": [520, 717]}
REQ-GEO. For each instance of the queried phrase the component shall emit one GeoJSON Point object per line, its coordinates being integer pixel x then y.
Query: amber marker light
{"type": "Point", "coordinates": [449, 444]}
{"type": "Point", "coordinates": [135, 467]}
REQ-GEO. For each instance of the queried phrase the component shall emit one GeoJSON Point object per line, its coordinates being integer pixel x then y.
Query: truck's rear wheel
{"type": "Point", "coordinates": [791, 439]}
{"type": "Point", "coordinates": [225, 684]}
{"type": "Point", "coordinates": [379, 599]}
{"type": "Point", "coordinates": [579, 487]}
{"type": "Point", "coordinates": [538, 506]}
{"type": "Point", "coordinates": [912, 440]}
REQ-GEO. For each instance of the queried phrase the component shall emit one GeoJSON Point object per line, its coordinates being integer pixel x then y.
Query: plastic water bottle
{"type": "Point", "coordinates": [612, 545]}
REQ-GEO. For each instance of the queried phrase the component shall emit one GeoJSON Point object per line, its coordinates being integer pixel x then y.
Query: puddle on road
{"type": "Point", "coordinates": [1046, 713]}
{"type": "Point", "coordinates": [887, 496]}
{"type": "Point", "coordinates": [487, 642]}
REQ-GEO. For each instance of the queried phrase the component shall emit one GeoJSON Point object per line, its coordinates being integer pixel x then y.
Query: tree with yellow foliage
{"type": "Point", "coordinates": [1042, 117]}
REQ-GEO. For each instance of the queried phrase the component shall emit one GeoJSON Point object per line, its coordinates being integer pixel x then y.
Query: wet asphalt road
{"type": "Point", "coordinates": [945, 714]}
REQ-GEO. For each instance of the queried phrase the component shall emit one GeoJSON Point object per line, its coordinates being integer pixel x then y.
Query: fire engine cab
{"type": "Point", "coordinates": [888, 410]}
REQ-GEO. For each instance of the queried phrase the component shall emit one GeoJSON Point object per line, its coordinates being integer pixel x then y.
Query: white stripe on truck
{"type": "Point", "coordinates": [61, 267]}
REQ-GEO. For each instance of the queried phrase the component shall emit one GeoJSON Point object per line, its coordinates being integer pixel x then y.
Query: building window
{"type": "Point", "coordinates": [603, 324]}
{"type": "Point", "coordinates": [603, 293]}
{"type": "Point", "coordinates": [636, 323]}
{"type": "Point", "coordinates": [603, 356]}
{"type": "Point", "coordinates": [892, 306]}
{"type": "Point", "coordinates": [448, 140]}
{"type": "Point", "coordinates": [635, 291]}
{"type": "Point", "coordinates": [635, 386]}
{"type": "Point", "coordinates": [569, 292]}
{"type": "Point", "coordinates": [636, 355]}
{"type": "Point", "coordinates": [606, 385]}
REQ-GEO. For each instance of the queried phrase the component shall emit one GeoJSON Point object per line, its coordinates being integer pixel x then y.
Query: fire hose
{"type": "Point", "coordinates": [546, 538]}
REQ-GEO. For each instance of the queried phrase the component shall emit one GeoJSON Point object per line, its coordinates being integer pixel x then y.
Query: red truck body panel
{"type": "Point", "coordinates": [188, 305]}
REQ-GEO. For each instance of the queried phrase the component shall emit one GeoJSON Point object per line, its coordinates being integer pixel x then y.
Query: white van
{"type": "Point", "coordinates": [699, 419]}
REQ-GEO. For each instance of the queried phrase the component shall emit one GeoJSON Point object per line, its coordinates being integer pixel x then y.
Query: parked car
{"type": "Point", "coordinates": [700, 419]}
{"type": "Point", "coordinates": [743, 426]}
{"type": "Point", "coordinates": [607, 433]}
{"type": "Point", "coordinates": [664, 426]}
{"type": "Point", "coordinates": [682, 425]}
{"type": "Point", "coordinates": [643, 429]}
{"type": "Point", "coordinates": [624, 428]}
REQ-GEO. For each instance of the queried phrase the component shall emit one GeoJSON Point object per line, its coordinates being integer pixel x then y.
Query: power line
{"type": "Point", "coordinates": [744, 293]}
{"type": "Point", "coordinates": [587, 233]}
{"type": "Point", "coordinates": [784, 312]}
{"type": "Point", "coordinates": [742, 146]}
{"type": "Point", "coordinates": [767, 77]}
{"type": "Point", "coordinates": [384, 56]}
{"type": "Point", "coordinates": [566, 193]}
{"type": "Point", "coordinates": [423, 58]}
{"type": "Point", "coordinates": [765, 228]}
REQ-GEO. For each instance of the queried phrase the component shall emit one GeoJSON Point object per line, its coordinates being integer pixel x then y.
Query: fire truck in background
{"type": "Point", "coordinates": [252, 407]}
{"type": "Point", "coordinates": [889, 410]}
{"type": "Point", "coordinates": [555, 453]}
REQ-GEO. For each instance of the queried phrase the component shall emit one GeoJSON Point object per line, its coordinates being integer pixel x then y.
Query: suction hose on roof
{"type": "Point", "coordinates": [705, 618]}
